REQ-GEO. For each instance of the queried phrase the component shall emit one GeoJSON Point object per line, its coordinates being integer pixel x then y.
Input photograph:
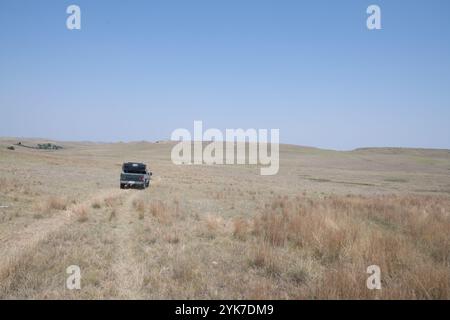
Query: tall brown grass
{"type": "Point", "coordinates": [240, 228]}
{"type": "Point", "coordinates": [81, 213]}
{"type": "Point", "coordinates": [52, 203]}
{"type": "Point", "coordinates": [407, 236]}
{"type": "Point", "coordinates": [140, 206]}
{"type": "Point", "coordinates": [161, 211]}
{"type": "Point", "coordinates": [57, 203]}
{"type": "Point", "coordinates": [212, 226]}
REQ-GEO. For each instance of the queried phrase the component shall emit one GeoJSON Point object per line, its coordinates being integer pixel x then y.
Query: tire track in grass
{"type": "Point", "coordinates": [23, 242]}
{"type": "Point", "coordinates": [129, 272]}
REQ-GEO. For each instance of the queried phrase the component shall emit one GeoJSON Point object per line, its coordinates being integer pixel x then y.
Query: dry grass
{"type": "Point", "coordinates": [139, 206]}
{"type": "Point", "coordinates": [10, 185]}
{"type": "Point", "coordinates": [96, 204]}
{"type": "Point", "coordinates": [263, 256]}
{"type": "Point", "coordinates": [212, 225]}
{"type": "Point", "coordinates": [157, 208]}
{"type": "Point", "coordinates": [108, 200]}
{"type": "Point", "coordinates": [57, 203]}
{"type": "Point", "coordinates": [224, 232]}
{"type": "Point", "coordinates": [81, 213]}
{"type": "Point", "coordinates": [112, 215]}
{"type": "Point", "coordinates": [297, 247]}
{"type": "Point", "coordinates": [50, 204]}
{"type": "Point", "coordinates": [111, 201]}
{"type": "Point", "coordinates": [161, 211]}
{"type": "Point", "coordinates": [172, 238]}
{"type": "Point", "coordinates": [406, 236]}
{"type": "Point", "coordinates": [241, 228]}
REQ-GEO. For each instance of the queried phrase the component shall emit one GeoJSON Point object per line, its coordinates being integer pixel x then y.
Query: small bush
{"type": "Point", "coordinates": [81, 213]}
{"type": "Point", "coordinates": [56, 203]}
{"type": "Point", "coordinates": [211, 226]}
{"type": "Point", "coordinates": [240, 228]}
{"type": "Point", "coordinates": [96, 204]}
{"type": "Point", "coordinates": [263, 257]}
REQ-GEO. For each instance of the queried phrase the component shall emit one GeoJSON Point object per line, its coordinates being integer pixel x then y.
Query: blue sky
{"type": "Point", "coordinates": [137, 70]}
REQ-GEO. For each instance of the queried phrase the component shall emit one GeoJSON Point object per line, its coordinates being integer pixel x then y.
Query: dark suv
{"type": "Point", "coordinates": [134, 175]}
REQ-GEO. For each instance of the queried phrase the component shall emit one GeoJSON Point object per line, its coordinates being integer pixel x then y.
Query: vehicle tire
{"type": "Point", "coordinates": [122, 186]}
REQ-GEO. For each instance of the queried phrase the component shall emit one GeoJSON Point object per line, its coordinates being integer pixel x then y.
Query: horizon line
{"type": "Point", "coordinates": [176, 141]}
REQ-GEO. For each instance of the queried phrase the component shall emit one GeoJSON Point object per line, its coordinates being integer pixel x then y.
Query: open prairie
{"type": "Point", "coordinates": [224, 232]}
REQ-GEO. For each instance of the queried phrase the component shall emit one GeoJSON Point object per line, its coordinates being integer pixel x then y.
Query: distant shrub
{"type": "Point", "coordinates": [96, 204]}
{"type": "Point", "coordinates": [49, 146]}
{"type": "Point", "coordinates": [50, 204]}
{"type": "Point", "coordinates": [240, 228]}
{"type": "Point", "coordinates": [56, 203]}
{"type": "Point", "coordinates": [81, 213]}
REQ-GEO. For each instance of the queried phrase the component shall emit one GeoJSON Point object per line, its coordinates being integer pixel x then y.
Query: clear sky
{"type": "Point", "coordinates": [137, 70]}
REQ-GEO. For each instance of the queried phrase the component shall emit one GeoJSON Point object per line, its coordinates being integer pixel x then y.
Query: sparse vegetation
{"type": "Point", "coordinates": [96, 204]}
{"type": "Point", "coordinates": [49, 146]}
{"type": "Point", "coordinates": [212, 226]}
{"type": "Point", "coordinates": [81, 213]}
{"type": "Point", "coordinates": [405, 235]}
{"type": "Point", "coordinates": [44, 146]}
{"type": "Point", "coordinates": [139, 205]}
{"type": "Point", "coordinates": [52, 203]}
{"type": "Point", "coordinates": [224, 232]}
{"type": "Point", "coordinates": [112, 215]}
{"type": "Point", "coordinates": [38, 215]}
{"type": "Point", "coordinates": [159, 210]}
{"type": "Point", "coordinates": [240, 228]}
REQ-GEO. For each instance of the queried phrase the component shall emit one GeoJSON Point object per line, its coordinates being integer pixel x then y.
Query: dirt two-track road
{"type": "Point", "coordinates": [221, 232]}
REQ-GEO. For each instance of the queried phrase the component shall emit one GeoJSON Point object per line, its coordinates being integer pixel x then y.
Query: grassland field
{"type": "Point", "coordinates": [224, 231]}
